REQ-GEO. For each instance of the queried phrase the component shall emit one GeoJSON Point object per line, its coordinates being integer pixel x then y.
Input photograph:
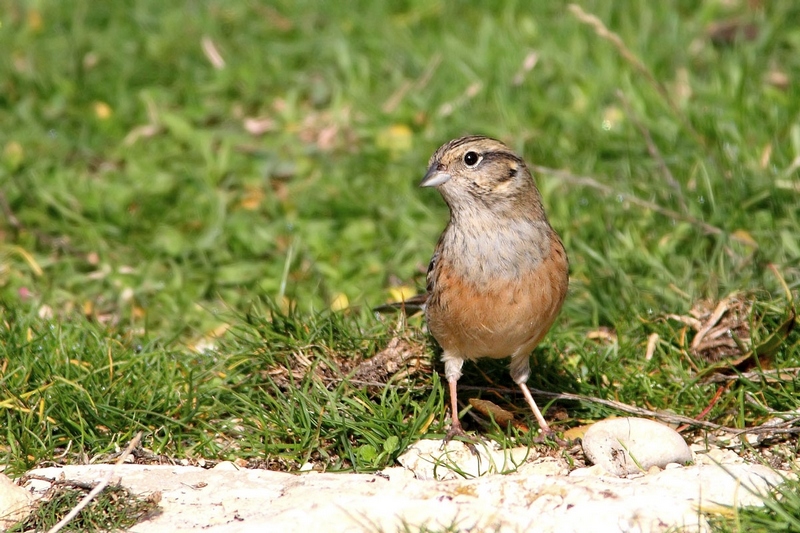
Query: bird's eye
{"type": "Point", "coordinates": [471, 159]}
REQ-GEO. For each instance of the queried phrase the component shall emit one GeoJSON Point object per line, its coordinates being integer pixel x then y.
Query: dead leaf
{"type": "Point", "coordinates": [603, 334]}
{"type": "Point", "coordinates": [259, 125]}
{"type": "Point", "coordinates": [724, 337]}
{"type": "Point", "coordinates": [778, 79]}
{"type": "Point", "coordinates": [726, 32]}
{"type": "Point", "coordinates": [576, 433]}
{"type": "Point", "coordinates": [491, 409]}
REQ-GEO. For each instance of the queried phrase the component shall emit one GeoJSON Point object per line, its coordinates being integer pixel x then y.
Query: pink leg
{"type": "Point", "coordinates": [455, 425]}
{"type": "Point", "coordinates": [538, 414]}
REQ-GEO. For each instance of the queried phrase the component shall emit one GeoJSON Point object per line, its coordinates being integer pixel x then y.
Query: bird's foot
{"type": "Point", "coordinates": [549, 436]}
{"type": "Point", "coordinates": [457, 432]}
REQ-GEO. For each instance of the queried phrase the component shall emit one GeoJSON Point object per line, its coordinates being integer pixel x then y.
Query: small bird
{"type": "Point", "coordinates": [499, 273]}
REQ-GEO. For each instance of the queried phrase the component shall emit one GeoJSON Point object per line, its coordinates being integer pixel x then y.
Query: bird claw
{"type": "Point", "coordinates": [458, 433]}
{"type": "Point", "coordinates": [550, 436]}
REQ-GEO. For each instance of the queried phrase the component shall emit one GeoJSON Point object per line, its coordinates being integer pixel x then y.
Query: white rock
{"type": "Point", "coordinates": [544, 466]}
{"type": "Point", "coordinates": [716, 455]}
{"type": "Point", "coordinates": [226, 465]}
{"type": "Point", "coordinates": [397, 474]}
{"type": "Point", "coordinates": [629, 445]}
{"type": "Point", "coordinates": [228, 501]}
{"type": "Point", "coordinates": [15, 503]}
{"type": "Point", "coordinates": [428, 459]}
{"type": "Point", "coordinates": [589, 471]}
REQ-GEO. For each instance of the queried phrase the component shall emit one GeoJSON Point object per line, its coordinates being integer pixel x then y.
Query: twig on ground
{"type": "Point", "coordinates": [785, 427]}
{"type": "Point", "coordinates": [667, 417]}
{"type": "Point", "coordinates": [99, 487]}
{"type": "Point", "coordinates": [85, 485]}
{"type": "Point", "coordinates": [779, 374]}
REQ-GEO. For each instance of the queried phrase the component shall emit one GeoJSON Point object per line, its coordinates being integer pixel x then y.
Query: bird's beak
{"type": "Point", "coordinates": [434, 177]}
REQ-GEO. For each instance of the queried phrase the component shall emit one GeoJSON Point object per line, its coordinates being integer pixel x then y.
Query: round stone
{"type": "Point", "coordinates": [624, 446]}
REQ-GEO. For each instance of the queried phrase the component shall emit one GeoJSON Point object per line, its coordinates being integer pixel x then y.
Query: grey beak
{"type": "Point", "coordinates": [434, 177]}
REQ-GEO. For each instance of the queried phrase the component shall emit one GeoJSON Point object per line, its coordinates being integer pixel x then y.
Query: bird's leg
{"type": "Point", "coordinates": [452, 371]}
{"type": "Point", "coordinates": [547, 432]}
{"type": "Point", "coordinates": [455, 425]}
{"type": "Point", "coordinates": [520, 372]}
{"type": "Point", "coordinates": [538, 414]}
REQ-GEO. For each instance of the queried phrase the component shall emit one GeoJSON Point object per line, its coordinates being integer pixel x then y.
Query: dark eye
{"type": "Point", "coordinates": [471, 159]}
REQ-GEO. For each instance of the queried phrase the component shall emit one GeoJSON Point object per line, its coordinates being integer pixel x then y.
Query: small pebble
{"type": "Point", "coordinates": [225, 465]}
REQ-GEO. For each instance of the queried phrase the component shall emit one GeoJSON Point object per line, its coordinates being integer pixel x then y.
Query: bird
{"type": "Point", "coordinates": [499, 273]}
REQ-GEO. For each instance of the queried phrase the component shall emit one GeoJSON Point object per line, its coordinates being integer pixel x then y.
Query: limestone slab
{"type": "Point", "coordinates": [227, 499]}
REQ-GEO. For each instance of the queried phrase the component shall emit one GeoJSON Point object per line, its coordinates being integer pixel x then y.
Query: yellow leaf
{"type": "Point", "coordinates": [340, 302]}
{"type": "Point", "coordinates": [576, 432]}
{"type": "Point", "coordinates": [397, 139]}
{"type": "Point", "coordinates": [285, 304]}
{"type": "Point", "coordinates": [612, 116]}
{"type": "Point", "coordinates": [745, 238]}
{"type": "Point", "coordinates": [252, 198]}
{"type": "Point", "coordinates": [34, 20]}
{"type": "Point", "coordinates": [402, 293]}
{"type": "Point", "coordinates": [13, 154]}
{"type": "Point", "coordinates": [102, 110]}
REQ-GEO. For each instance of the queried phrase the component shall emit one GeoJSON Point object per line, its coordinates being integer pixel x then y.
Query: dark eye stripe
{"type": "Point", "coordinates": [508, 156]}
{"type": "Point", "coordinates": [514, 163]}
{"type": "Point", "coordinates": [511, 174]}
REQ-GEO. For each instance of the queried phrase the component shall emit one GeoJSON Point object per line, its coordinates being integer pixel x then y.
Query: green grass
{"type": "Point", "coordinates": [163, 268]}
{"type": "Point", "coordinates": [114, 509]}
{"type": "Point", "coordinates": [778, 514]}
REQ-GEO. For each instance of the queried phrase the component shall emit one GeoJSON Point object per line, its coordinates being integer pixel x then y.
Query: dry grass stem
{"type": "Point", "coordinates": [586, 181]}
{"type": "Point", "coordinates": [655, 153]}
{"type": "Point", "coordinates": [100, 486]}
{"type": "Point", "coordinates": [604, 33]}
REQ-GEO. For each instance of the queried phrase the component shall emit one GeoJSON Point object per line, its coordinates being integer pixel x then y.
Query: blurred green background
{"type": "Point", "coordinates": [150, 184]}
